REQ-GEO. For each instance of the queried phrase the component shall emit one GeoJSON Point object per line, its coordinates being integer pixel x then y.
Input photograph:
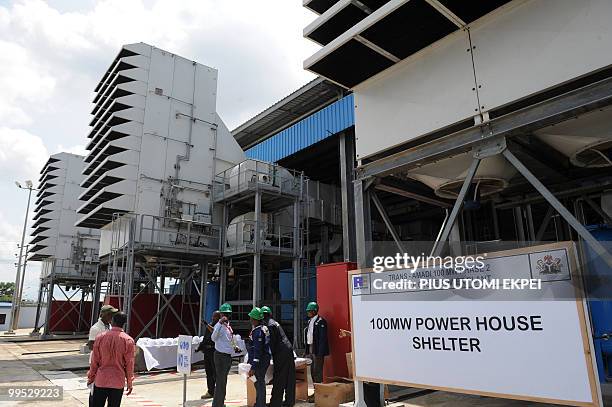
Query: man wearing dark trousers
{"type": "Point", "coordinates": [207, 347]}
{"type": "Point", "coordinates": [259, 354]}
{"type": "Point", "coordinates": [316, 341]}
{"type": "Point", "coordinates": [283, 382]}
{"type": "Point", "coordinates": [112, 364]}
{"type": "Point", "coordinates": [225, 344]}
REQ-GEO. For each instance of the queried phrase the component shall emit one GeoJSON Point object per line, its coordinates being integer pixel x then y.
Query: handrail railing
{"type": "Point", "coordinates": [178, 233]}
{"type": "Point", "coordinates": [252, 174]}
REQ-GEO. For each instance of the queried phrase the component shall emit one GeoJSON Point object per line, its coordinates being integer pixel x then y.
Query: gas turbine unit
{"type": "Point", "coordinates": [156, 142]}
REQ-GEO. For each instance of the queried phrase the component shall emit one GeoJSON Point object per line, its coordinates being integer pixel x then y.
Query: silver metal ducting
{"type": "Point", "coordinates": [241, 229]}
{"type": "Point", "coordinates": [324, 202]}
{"type": "Point", "coordinates": [250, 171]}
{"type": "Point", "coordinates": [445, 177]}
{"type": "Point", "coordinates": [586, 140]}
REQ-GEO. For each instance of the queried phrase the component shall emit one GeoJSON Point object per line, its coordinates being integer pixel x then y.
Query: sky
{"type": "Point", "coordinates": [53, 53]}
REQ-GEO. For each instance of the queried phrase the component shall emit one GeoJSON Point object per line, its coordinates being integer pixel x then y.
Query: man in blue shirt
{"type": "Point", "coordinates": [259, 354]}
{"type": "Point", "coordinates": [225, 344]}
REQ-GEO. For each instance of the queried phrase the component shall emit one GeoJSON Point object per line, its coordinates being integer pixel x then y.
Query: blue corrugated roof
{"type": "Point", "coordinates": [326, 122]}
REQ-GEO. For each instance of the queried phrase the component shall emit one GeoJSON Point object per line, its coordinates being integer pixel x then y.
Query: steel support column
{"type": "Point", "coordinates": [554, 202]}
{"type": "Point", "coordinates": [203, 290]}
{"type": "Point", "coordinates": [162, 287]}
{"type": "Point", "coordinates": [518, 221]}
{"type": "Point", "coordinates": [95, 301]}
{"type": "Point", "coordinates": [495, 221]}
{"type": "Point", "coordinates": [49, 302]}
{"type": "Point", "coordinates": [363, 224]}
{"type": "Point", "coordinates": [363, 233]}
{"type": "Point", "coordinates": [347, 168]}
{"type": "Point", "coordinates": [439, 244]}
{"type": "Point", "coordinates": [257, 257]}
{"type": "Point", "coordinates": [530, 227]}
{"type": "Point", "coordinates": [38, 307]}
{"type": "Point", "coordinates": [297, 276]}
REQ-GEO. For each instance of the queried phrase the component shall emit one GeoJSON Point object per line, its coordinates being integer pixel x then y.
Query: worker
{"type": "Point", "coordinates": [207, 347]}
{"type": "Point", "coordinates": [283, 382]}
{"type": "Point", "coordinates": [112, 364]}
{"type": "Point", "coordinates": [316, 341]}
{"type": "Point", "coordinates": [102, 325]}
{"type": "Point", "coordinates": [225, 345]}
{"type": "Point", "coordinates": [259, 354]}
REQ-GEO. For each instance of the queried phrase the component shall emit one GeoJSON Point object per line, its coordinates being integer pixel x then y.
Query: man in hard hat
{"type": "Point", "coordinates": [283, 382]}
{"type": "Point", "coordinates": [259, 354]}
{"type": "Point", "coordinates": [207, 347]}
{"type": "Point", "coordinates": [225, 344]}
{"type": "Point", "coordinates": [102, 325]}
{"type": "Point", "coordinates": [316, 341]}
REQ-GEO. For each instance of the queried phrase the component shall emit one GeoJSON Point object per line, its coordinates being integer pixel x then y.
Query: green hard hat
{"type": "Point", "coordinates": [256, 314]}
{"type": "Point", "coordinates": [312, 306]}
{"type": "Point", "coordinates": [225, 308]}
{"type": "Point", "coordinates": [266, 310]}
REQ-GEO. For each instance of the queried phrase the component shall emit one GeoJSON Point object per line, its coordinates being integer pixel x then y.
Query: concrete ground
{"type": "Point", "coordinates": [57, 362]}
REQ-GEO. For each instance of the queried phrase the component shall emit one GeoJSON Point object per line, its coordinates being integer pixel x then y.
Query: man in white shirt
{"type": "Point", "coordinates": [317, 345]}
{"type": "Point", "coordinates": [225, 345]}
{"type": "Point", "coordinates": [103, 324]}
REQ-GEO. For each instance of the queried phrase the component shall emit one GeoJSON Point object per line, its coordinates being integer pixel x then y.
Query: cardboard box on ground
{"type": "Point", "coordinates": [339, 390]}
{"type": "Point", "coordinates": [349, 364]}
{"type": "Point", "coordinates": [301, 386]}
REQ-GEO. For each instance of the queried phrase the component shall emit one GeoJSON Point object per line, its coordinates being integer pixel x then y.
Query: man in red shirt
{"type": "Point", "coordinates": [112, 364]}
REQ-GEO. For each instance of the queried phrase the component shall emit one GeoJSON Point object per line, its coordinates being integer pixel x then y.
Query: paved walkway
{"type": "Point", "coordinates": [58, 362]}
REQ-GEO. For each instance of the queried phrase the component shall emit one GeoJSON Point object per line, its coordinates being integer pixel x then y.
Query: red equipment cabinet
{"type": "Point", "coordinates": [333, 300]}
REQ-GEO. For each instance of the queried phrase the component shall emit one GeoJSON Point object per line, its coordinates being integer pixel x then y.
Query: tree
{"type": "Point", "coordinates": [6, 291]}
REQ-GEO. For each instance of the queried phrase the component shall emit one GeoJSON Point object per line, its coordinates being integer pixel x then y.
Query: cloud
{"type": "Point", "coordinates": [257, 46]}
{"type": "Point", "coordinates": [22, 155]}
{"type": "Point", "coordinates": [24, 82]}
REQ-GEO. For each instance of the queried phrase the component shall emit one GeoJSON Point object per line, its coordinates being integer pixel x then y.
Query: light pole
{"type": "Point", "coordinates": [20, 292]}
{"type": "Point", "coordinates": [17, 294]}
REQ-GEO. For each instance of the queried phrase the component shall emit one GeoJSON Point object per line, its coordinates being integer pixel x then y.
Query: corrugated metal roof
{"type": "Point", "coordinates": [309, 98]}
{"type": "Point", "coordinates": [326, 122]}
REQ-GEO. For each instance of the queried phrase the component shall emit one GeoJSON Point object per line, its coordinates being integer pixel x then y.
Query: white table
{"type": "Point", "coordinates": [161, 353]}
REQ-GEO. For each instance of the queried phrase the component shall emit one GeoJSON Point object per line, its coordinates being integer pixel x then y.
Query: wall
{"type": "Point", "coordinates": [510, 54]}
{"type": "Point", "coordinates": [26, 318]}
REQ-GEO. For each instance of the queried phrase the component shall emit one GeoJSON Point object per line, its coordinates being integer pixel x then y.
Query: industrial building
{"type": "Point", "coordinates": [434, 126]}
{"type": "Point", "coordinates": [479, 124]}
{"type": "Point", "coordinates": [155, 144]}
{"type": "Point", "coordinates": [68, 254]}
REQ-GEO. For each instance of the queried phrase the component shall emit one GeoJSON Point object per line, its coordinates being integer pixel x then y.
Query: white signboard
{"type": "Point", "coordinates": [521, 336]}
{"type": "Point", "coordinates": [183, 354]}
